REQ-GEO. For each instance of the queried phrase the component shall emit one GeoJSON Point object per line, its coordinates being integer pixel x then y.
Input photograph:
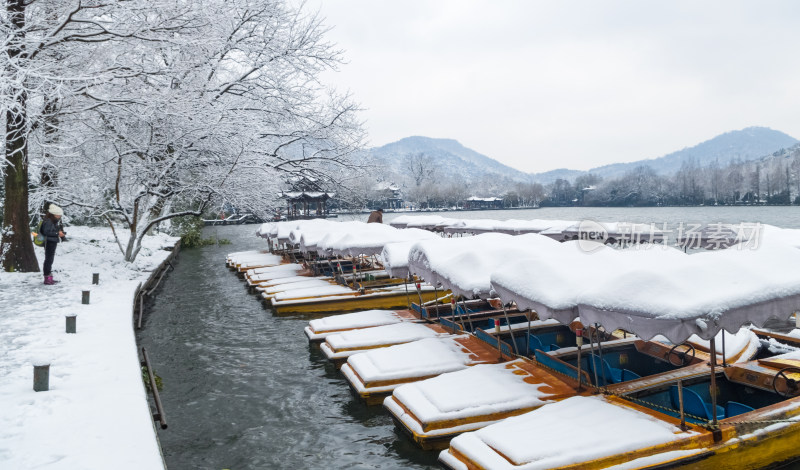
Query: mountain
{"type": "Point", "coordinates": [450, 159]}
{"type": "Point", "coordinates": [747, 144]}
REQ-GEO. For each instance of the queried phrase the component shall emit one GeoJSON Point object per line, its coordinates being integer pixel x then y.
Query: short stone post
{"type": "Point", "coordinates": [85, 297]}
{"type": "Point", "coordinates": [41, 377]}
{"type": "Point", "coordinates": [95, 278]}
{"type": "Point", "coordinates": [71, 323]}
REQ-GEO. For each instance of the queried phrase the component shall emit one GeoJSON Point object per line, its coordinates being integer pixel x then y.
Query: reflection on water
{"type": "Point", "coordinates": [244, 390]}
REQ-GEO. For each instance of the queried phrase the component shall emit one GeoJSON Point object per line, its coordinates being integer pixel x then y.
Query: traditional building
{"type": "Point", "coordinates": [306, 199]}
{"type": "Point", "coordinates": [386, 195]}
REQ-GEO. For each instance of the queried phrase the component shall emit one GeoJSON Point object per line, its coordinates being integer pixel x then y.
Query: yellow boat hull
{"type": "Point", "coordinates": [353, 303]}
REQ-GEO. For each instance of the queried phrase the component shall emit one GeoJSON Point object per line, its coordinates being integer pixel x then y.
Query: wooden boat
{"type": "Point", "coordinates": [320, 328]}
{"type": "Point", "coordinates": [374, 374]}
{"type": "Point", "coordinates": [758, 424]}
{"type": "Point", "coordinates": [369, 299]}
{"type": "Point", "coordinates": [417, 408]}
{"type": "Point", "coordinates": [339, 347]}
{"type": "Point", "coordinates": [745, 415]}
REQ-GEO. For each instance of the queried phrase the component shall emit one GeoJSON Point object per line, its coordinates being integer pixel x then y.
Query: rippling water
{"type": "Point", "coordinates": [244, 390]}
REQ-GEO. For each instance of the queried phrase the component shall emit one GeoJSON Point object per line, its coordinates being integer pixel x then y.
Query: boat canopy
{"type": "Point", "coordinates": [464, 265]}
{"type": "Point", "coordinates": [371, 239]}
{"type": "Point", "coordinates": [658, 290]}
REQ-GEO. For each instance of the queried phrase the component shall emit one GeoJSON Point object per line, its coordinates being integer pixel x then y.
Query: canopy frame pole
{"type": "Point", "coordinates": [528, 342]}
{"type": "Point", "coordinates": [680, 404]}
{"type": "Point", "coordinates": [455, 314]}
{"type": "Point", "coordinates": [724, 364]}
{"type": "Point", "coordinates": [600, 353]}
{"type": "Point", "coordinates": [466, 313]}
{"type": "Point", "coordinates": [594, 369]}
{"type": "Point", "coordinates": [580, 347]}
{"type": "Point", "coordinates": [408, 299]}
{"type": "Point", "coordinates": [510, 331]}
{"type": "Point", "coordinates": [436, 296]}
{"type": "Point", "coordinates": [713, 382]}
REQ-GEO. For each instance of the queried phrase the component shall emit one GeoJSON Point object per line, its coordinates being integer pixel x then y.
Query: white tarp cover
{"type": "Point", "coordinates": [464, 265]}
{"type": "Point", "coordinates": [658, 290]}
{"type": "Point", "coordinates": [562, 436]}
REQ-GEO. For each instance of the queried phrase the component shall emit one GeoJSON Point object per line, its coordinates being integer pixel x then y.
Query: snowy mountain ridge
{"type": "Point", "coordinates": [449, 161]}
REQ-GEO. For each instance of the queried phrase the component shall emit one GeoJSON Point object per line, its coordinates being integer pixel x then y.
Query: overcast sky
{"type": "Point", "coordinates": [544, 85]}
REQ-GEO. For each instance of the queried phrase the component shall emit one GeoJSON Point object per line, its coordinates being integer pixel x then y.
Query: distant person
{"type": "Point", "coordinates": [376, 216]}
{"type": "Point", "coordinates": [52, 235]}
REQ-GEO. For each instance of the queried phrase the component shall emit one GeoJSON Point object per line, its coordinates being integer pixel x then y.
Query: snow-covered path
{"type": "Point", "coordinates": [95, 414]}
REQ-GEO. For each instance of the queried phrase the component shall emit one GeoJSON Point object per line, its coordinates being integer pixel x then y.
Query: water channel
{"type": "Point", "coordinates": [244, 390]}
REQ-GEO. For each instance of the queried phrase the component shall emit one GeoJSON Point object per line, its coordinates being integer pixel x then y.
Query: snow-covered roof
{"type": "Point", "coordinates": [657, 291]}
{"type": "Point", "coordinates": [464, 265]}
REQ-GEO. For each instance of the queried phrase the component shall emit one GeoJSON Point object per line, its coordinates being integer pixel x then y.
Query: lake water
{"type": "Point", "coordinates": [244, 390]}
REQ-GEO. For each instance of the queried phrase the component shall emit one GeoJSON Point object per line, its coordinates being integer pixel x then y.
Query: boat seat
{"type": "Point", "coordinates": [733, 408]}
{"type": "Point", "coordinates": [694, 404]}
{"type": "Point", "coordinates": [535, 343]}
{"type": "Point", "coordinates": [613, 375]}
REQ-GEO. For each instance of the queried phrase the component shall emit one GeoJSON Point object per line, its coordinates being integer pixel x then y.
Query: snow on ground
{"type": "Point", "coordinates": [95, 414]}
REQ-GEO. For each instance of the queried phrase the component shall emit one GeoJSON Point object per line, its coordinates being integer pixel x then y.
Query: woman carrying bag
{"type": "Point", "coordinates": [52, 235]}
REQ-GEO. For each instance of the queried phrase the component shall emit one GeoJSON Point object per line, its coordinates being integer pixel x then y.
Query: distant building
{"type": "Point", "coordinates": [306, 199]}
{"type": "Point", "coordinates": [483, 203]}
{"type": "Point", "coordinates": [386, 195]}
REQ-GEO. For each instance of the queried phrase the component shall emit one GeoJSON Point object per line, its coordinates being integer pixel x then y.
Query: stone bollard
{"type": "Point", "coordinates": [95, 278]}
{"type": "Point", "coordinates": [71, 323]}
{"type": "Point", "coordinates": [85, 297]}
{"type": "Point", "coordinates": [41, 377]}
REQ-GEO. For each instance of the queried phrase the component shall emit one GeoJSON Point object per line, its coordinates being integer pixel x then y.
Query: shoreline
{"type": "Point", "coordinates": [96, 413]}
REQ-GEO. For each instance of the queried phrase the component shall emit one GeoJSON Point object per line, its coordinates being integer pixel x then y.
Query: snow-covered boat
{"type": "Point", "coordinates": [745, 415]}
{"type": "Point", "coordinates": [318, 329]}
{"type": "Point", "coordinates": [375, 373]}
{"type": "Point", "coordinates": [349, 300]}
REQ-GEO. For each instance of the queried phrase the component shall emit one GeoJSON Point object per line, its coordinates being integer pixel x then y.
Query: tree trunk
{"type": "Point", "coordinates": [16, 244]}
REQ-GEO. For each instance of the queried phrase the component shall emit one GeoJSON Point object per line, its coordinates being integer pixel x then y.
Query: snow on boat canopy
{"type": "Point", "coordinates": [510, 227]}
{"type": "Point", "coordinates": [715, 236]}
{"type": "Point", "coordinates": [464, 265]}
{"type": "Point", "coordinates": [660, 291]}
{"type": "Point", "coordinates": [371, 240]}
{"type": "Point", "coordinates": [426, 222]}
{"type": "Point", "coordinates": [614, 232]}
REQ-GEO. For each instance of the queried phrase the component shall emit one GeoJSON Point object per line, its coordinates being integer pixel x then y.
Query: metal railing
{"type": "Point", "coordinates": [159, 414]}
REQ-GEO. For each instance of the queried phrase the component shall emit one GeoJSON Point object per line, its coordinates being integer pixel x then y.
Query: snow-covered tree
{"type": "Point", "coordinates": [218, 101]}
